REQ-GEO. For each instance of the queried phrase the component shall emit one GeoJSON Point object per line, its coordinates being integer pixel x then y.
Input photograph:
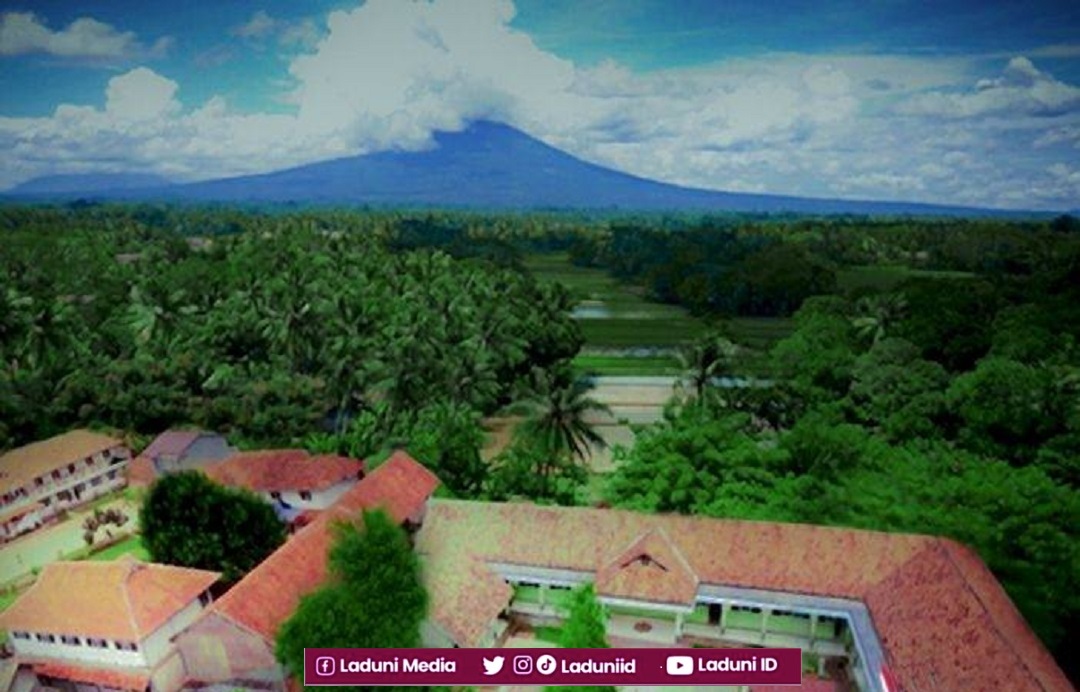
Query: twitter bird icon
{"type": "Point", "coordinates": [493, 666]}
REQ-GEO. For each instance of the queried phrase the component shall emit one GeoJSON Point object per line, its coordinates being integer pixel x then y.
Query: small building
{"type": "Point", "coordinates": [44, 478]}
{"type": "Point", "coordinates": [104, 625]}
{"type": "Point", "coordinates": [231, 646]}
{"type": "Point", "coordinates": [291, 480]}
{"type": "Point", "coordinates": [177, 450]}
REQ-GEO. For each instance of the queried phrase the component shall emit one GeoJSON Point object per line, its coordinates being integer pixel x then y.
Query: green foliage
{"type": "Point", "coordinates": [373, 597]}
{"type": "Point", "coordinates": [701, 463]}
{"type": "Point", "coordinates": [897, 392]}
{"type": "Point", "coordinates": [585, 628]}
{"type": "Point", "coordinates": [189, 520]}
{"type": "Point", "coordinates": [525, 471]}
{"type": "Point", "coordinates": [1007, 409]}
{"type": "Point", "coordinates": [261, 336]}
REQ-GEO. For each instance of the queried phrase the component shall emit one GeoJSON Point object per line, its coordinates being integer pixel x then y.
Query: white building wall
{"type": "Point", "coordinates": [320, 499]}
{"type": "Point", "coordinates": [150, 651]}
{"type": "Point", "coordinates": [81, 653]}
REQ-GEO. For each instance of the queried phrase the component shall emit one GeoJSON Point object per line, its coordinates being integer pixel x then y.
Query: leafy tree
{"type": "Point", "coordinates": [189, 520]}
{"type": "Point", "coordinates": [818, 358]}
{"type": "Point", "coordinates": [526, 471]}
{"type": "Point", "coordinates": [585, 628]}
{"type": "Point", "coordinates": [894, 390]}
{"type": "Point", "coordinates": [1006, 408]}
{"type": "Point", "coordinates": [697, 462]}
{"type": "Point", "coordinates": [447, 438]}
{"type": "Point", "coordinates": [373, 596]}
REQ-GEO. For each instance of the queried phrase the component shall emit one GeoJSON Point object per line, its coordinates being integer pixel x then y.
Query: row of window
{"type": "Point", "coordinates": [304, 495]}
{"type": "Point", "coordinates": [56, 475]}
{"type": "Point", "coordinates": [71, 640]}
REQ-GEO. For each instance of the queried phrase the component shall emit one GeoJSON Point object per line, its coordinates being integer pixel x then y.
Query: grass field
{"type": "Point", "coordinates": [7, 597]}
{"type": "Point", "coordinates": [132, 545]}
{"type": "Point", "coordinates": [888, 277]}
{"type": "Point", "coordinates": [615, 365]}
{"type": "Point", "coordinates": [618, 317]}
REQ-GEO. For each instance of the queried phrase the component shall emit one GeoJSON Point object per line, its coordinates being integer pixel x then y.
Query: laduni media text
{"type": "Point", "coordinates": [398, 664]}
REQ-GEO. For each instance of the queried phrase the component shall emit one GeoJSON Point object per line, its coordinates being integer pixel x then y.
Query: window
{"type": "Point", "coordinates": [46, 638]}
{"type": "Point", "coordinates": [97, 643]}
{"type": "Point", "coordinates": [126, 646]}
{"type": "Point", "coordinates": [20, 635]}
{"type": "Point", "coordinates": [95, 481]}
{"type": "Point", "coordinates": [71, 468]}
{"type": "Point", "coordinates": [89, 461]}
{"type": "Point", "coordinates": [275, 495]}
{"type": "Point", "coordinates": [204, 598]}
{"type": "Point", "coordinates": [39, 480]}
{"type": "Point", "coordinates": [56, 474]}
{"type": "Point", "coordinates": [305, 494]}
{"type": "Point", "coordinates": [70, 640]}
{"type": "Point", "coordinates": [111, 475]}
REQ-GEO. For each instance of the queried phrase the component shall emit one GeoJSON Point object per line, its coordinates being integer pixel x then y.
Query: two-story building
{"type": "Point", "coordinates": [44, 478]}
{"type": "Point", "coordinates": [177, 450]}
{"type": "Point", "coordinates": [291, 480]}
{"type": "Point", "coordinates": [871, 611]}
{"type": "Point", "coordinates": [104, 625]}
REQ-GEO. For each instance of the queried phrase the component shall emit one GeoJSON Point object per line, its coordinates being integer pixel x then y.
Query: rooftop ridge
{"type": "Point", "coordinates": [943, 546]}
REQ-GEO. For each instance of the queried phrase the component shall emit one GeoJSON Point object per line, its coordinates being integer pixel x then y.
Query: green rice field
{"type": "Point", "coordinates": [620, 324]}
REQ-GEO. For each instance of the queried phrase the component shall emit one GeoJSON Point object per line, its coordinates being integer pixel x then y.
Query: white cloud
{"type": "Point", "coordinates": [1021, 89]}
{"type": "Point", "coordinates": [303, 34]}
{"type": "Point", "coordinates": [24, 33]}
{"type": "Point", "coordinates": [141, 94]}
{"type": "Point", "coordinates": [388, 73]}
{"type": "Point", "coordinates": [260, 25]}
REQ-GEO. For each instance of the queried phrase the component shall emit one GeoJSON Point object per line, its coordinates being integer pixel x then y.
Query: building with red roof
{"type": "Point", "coordinates": [882, 611]}
{"type": "Point", "coordinates": [233, 642]}
{"type": "Point", "coordinates": [291, 480]}
{"type": "Point", "coordinates": [105, 624]}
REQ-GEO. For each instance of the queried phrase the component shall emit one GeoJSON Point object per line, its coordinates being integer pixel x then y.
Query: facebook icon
{"type": "Point", "coordinates": [324, 665]}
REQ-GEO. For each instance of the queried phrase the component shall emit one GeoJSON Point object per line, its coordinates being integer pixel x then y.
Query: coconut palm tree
{"type": "Point", "coordinates": [877, 315]}
{"type": "Point", "coordinates": [707, 358]}
{"type": "Point", "coordinates": [558, 422]}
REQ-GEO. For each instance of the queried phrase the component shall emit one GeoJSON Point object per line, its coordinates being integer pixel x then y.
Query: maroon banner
{"type": "Point", "coordinates": [494, 667]}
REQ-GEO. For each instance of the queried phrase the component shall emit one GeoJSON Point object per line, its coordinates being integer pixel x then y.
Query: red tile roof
{"type": "Point", "coordinates": [141, 472]}
{"type": "Point", "coordinates": [943, 620]}
{"type": "Point", "coordinates": [281, 470]}
{"type": "Point", "coordinates": [130, 679]}
{"type": "Point", "coordinates": [269, 594]}
{"type": "Point", "coordinates": [120, 600]}
{"type": "Point", "coordinates": [651, 568]}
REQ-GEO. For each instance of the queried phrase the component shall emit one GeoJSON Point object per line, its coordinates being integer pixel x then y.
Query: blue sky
{"type": "Point", "coordinates": [955, 102]}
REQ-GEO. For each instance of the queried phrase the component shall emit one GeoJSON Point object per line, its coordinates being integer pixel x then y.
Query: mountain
{"type": "Point", "coordinates": [488, 166]}
{"type": "Point", "coordinates": [87, 184]}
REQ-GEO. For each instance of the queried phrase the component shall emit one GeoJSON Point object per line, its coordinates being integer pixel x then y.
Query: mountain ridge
{"type": "Point", "coordinates": [487, 165]}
